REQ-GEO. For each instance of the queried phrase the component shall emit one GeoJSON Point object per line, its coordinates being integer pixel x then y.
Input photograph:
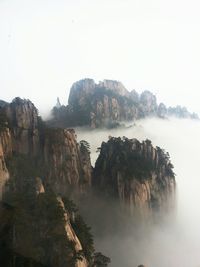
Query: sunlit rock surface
{"type": "Point", "coordinates": [107, 103]}
{"type": "Point", "coordinates": [65, 165]}
{"type": "Point", "coordinates": [69, 167]}
{"type": "Point", "coordinates": [72, 235]}
{"type": "Point", "coordinates": [140, 176]}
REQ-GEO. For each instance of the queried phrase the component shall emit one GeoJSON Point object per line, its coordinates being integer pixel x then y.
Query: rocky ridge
{"type": "Point", "coordinates": [107, 103]}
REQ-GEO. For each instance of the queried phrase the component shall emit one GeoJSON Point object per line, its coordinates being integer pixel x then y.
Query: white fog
{"type": "Point", "coordinates": [175, 240]}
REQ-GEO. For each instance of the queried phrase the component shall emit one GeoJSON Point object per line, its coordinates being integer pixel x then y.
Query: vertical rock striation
{"type": "Point", "coordinates": [137, 174]}
{"type": "Point", "coordinates": [4, 151]}
{"type": "Point", "coordinates": [69, 167]}
{"type": "Point", "coordinates": [72, 235]}
{"type": "Point", "coordinates": [24, 120]}
{"type": "Point", "coordinates": [55, 152]}
{"type": "Point", "coordinates": [108, 102]}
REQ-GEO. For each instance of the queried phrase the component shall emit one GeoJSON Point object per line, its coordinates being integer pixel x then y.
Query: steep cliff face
{"type": "Point", "coordinates": [137, 174]}
{"type": "Point", "coordinates": [55, 153]}
{"type": "Point", "coordinates": [96, 105]}
{"type": "Point", "coordinates": [69, 167]}
{"type": "Point", "coordinates": [107, 103]}
{"type": "Point", "coordinates": [148, 104]}
{"type": "Point", "coordinates": [5, 150]}
{"type": "Point", "coordinates": [23, 118]}
{"type": "Point", "coordinates": [80, 90]}
{"type": "Point", "coordinates": [101, 104]}
{"type": "Point", "coordinates": [72, 235]}
{"type": "Point", "coordinates": [36, 230]}
{"type": "Point", "coordinates": [162, 110]}
{"type": "Point", "coordinates": [32, 157]}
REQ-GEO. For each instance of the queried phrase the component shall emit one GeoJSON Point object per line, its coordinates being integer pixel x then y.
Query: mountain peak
{"type": "Point", "coordinates": [115, 86]}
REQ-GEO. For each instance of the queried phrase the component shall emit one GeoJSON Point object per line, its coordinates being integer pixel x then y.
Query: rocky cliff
{"type": "Point", "coordinates": [82, 261]}
{"type": "Point", "coordinates": [69, 167]}
{"type": "Point", "coordinates": [55, 153]}
{"type": "Point", "coordinates": [23, 118]}
{"type": "Point", "coordinates": [5, 149]}
{"type": "Point", "coordinates": [36, 230]}
{"type": "Point", "coordinates": [33, 159]}
{"type": "Point", "coordinates": [96, 105]}
{"type": "Point", "coordinates": [140, 176]}
{"type": "Point", "coordinates": [107, 103]}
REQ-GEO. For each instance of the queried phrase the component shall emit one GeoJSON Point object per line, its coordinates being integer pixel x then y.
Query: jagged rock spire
{"type": "Point", "coordinates": [58, 104]}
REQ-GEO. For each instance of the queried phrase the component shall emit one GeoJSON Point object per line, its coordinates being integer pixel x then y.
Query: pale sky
{"type": "Point", "coordinates": [46, 45]}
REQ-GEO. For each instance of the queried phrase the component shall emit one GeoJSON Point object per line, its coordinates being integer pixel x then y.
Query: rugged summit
{"type": "Point", "coordinates": [23, 118]}
{"type": "Point", "coordinates": [107, 103]}
{"type": "Point", "coordinates": [55, 152]}
{"type": "Point", "coordinates": [140, 176]}
{"type": "Point", "coordinates": [37, 164]}
{"type": "Point", "coordinates": [96, 105]}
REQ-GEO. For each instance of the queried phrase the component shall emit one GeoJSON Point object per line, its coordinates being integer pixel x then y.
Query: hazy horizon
{"type": "Point", "coordinates": [147, 45]}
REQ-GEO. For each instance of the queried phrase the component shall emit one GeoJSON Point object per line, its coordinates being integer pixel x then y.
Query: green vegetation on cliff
{"type": "Point", "coordinates": [32, 227]}
{"type": "Point", "coordinates": [135, 173]}
{"type": "Point", "coordinates": [134, 159]}
{"type": "Point", "coordinates": [35, 231]}
{"type": "Point", "coordinates": [107, 103]}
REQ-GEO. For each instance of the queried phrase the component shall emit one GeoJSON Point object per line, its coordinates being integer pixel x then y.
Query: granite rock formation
{"type": "Point", "coordinates": [5, 139]}
{"type": "Point", "coordinates": [36, 230]}
{"type": "Point", "coordinates": [55, 152]}
{"type": "Point", "coordinates": [5, 151]}
{"type": "Point", "coordinates": [69, 166]}
{"type": "Point", "coordinates": [138, 175]}
{"type": "Point", "coordinates": [107, 103]}
{"type": "Point", "coordinates": [23, 118]}
{"type": "Point", "coordinates": [82, 262]}
{"type": "Point", "coordinates": [33, 159]}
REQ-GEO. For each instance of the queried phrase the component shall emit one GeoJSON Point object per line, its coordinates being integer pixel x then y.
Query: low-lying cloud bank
{"type": "Point", "coordinates": [174, 239]}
